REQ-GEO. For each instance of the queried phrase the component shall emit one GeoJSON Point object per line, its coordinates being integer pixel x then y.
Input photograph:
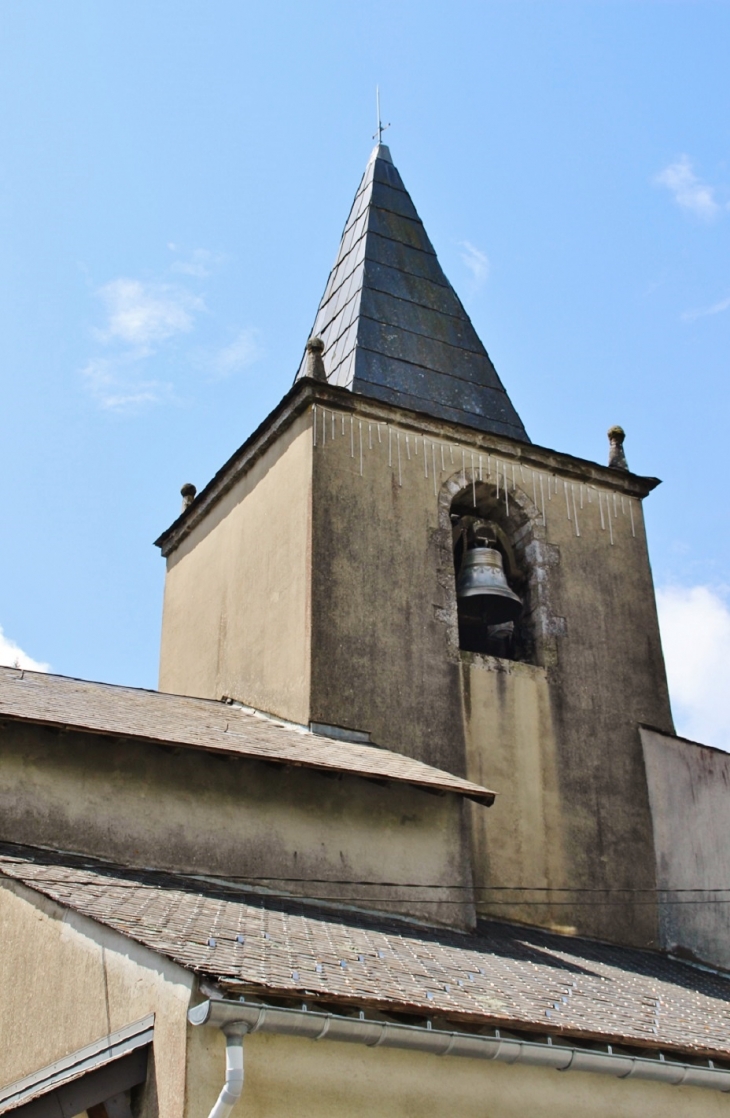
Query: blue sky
{"type": "Point", "coordinates": [174, 180]}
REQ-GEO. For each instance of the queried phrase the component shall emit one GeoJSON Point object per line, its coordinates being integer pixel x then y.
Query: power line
{"type": "Point", "coordinates": [472, 888]}
{"type": "Point", "coordinates": [369, 899]}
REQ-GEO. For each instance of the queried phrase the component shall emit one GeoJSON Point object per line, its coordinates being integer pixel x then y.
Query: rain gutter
{"type": "Point", "coordinates": [241, 1018]}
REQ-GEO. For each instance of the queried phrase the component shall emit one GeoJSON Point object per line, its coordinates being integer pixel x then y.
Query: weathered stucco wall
{"type": "Point", "coordinates": [689, 790]}
{"type": "Point", "coordinates": [381, 659]}
{"type": "Point", "coordinates": [385, 655]}
{"type": "Point", "coordinates": [149, 805]}
{"type": "Point", "coordinates": [384, 641]}
{"type": "Point", "coordinates": [66, 982]}
{"type": "Point", "coordinates": [320, 1079]}
{"type": "Point", "coordinates": [236, 609]}
{"type": "Point", "coordinates": [607, 677]}
{"type": "Point", "coordinates": [511, 741]}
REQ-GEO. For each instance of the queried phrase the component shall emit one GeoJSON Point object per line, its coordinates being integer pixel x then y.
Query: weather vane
{"type": "Point", "coordinates": [381, 127]}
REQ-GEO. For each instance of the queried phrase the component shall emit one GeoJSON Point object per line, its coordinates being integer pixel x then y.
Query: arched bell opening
{"type": "Point", "coordinates": [492, 585]}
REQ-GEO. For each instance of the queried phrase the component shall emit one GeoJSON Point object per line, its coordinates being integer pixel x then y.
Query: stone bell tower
{"type": "Point", "coordinates": [315, 578]}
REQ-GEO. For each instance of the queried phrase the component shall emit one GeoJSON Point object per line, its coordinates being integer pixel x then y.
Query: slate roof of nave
{"type": "Point", "coordinates": [208, 724]}
{"type": "Point", "coordinates": [509, 976]}
{"type": "Point", "coordinates": [392, 324]}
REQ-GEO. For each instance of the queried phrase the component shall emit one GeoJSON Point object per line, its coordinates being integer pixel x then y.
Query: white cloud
{"type": "Point", "coordinates": [476, 261]}
{"type": "Point", "coordinates": [141, 314]}
{"type": "Point", "coordinates": [12, 656]}
{"type": "Point", "coordinates": [689, 191]}
{"type": "Point", "coordinates": [242, 351]}
{"type": "Point", "coordinates": [695, 627]}
{"type": "Point", "coordinates": [140, 317]}
{"type": "Point", "coordinates": [716, 308]}
{"type": "Point", "coordinates": [200, 263]}
{"type": "Point", "coordinates": [117, 385]}
{"type": "Point", "coordinates": [145, 323]}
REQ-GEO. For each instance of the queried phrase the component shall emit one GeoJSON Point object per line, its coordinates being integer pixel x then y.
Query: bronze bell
{"type": "Point", "coordinates": [482, 589]}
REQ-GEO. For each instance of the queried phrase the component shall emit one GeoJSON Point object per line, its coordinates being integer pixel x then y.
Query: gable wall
{"type": "Point", "coordinates": [67, 981]}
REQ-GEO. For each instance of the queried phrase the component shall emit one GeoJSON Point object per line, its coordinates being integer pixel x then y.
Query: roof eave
{"type": "Point", "coordinates": [484, 796]}
{"type": "Point", "coordinates": [527, 1046]}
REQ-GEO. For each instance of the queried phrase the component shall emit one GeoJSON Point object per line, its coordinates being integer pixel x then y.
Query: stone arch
{"type": "Point", "coordinates": [522, 521]}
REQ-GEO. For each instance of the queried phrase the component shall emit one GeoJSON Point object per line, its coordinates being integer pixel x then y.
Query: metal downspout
{"type": "Point", "coordinates": [233, 1085]}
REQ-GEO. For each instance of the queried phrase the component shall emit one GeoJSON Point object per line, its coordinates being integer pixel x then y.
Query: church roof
{"type": "Point", "coordinates": [392, 324]}
{"type": "Point", "coordinates": [208, 724]}
{"type": "Point", "coordinates": [512, 976]}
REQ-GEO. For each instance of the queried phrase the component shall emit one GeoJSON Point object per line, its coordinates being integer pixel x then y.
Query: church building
{"type": "Point", "coordinates": [409, 788]}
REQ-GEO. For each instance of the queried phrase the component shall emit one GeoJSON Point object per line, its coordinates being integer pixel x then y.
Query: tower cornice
{"type": "Point", "coordinates": [307, 393]}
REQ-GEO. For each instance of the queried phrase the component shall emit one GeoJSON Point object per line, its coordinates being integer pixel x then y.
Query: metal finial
{"type": "Point", "coordinates": [381, 127]}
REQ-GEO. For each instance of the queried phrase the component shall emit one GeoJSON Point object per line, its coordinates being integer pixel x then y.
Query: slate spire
{"type": "Point", "coordinates": [392, 325]}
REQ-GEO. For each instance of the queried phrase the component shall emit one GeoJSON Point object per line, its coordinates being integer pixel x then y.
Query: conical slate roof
{"type": "Point", "coordinates": [392, 324]}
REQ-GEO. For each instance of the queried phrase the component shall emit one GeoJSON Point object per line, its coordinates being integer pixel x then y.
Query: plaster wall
{"type": "Point", "coordinates": [66, 982]}
{"type": "Point", "coordinates": [689, 790]}
{"type": "Point", "coordinates": [384, 642]}
{"type": "Point", "coordinates": [236, 607]}
{"type": "Point", "coordinates": [320, 1079]}
{"type": "Point", "coordinates": [142, 804]}
{"type": "Point", "coordinates": [605, 677]}
{"type": "Point", "coordinates": [385, 655]}
{"type": "Point", "coordinates": [511, 741]}
{"type": "Point", "coordinates": [381, 654]}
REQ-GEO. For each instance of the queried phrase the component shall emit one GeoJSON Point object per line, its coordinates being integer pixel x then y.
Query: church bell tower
{"type": "Point", "coordinates": [388, 558]}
